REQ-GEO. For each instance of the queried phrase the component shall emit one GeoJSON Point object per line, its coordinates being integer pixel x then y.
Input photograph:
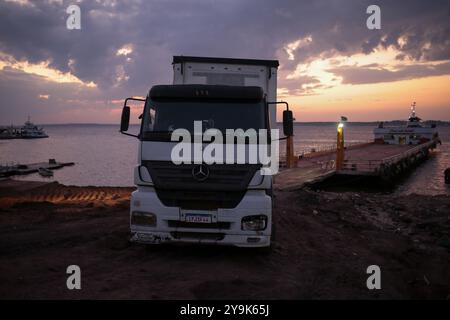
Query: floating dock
{"type": "Point", "coordinates": [22, 169]}
{"type": "Point", "coordinates": [385, 161]}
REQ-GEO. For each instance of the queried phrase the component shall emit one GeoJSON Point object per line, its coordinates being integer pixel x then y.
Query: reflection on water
{"type": "Point", "coordinates": [104, 157]}
{"type": "Point", "coordinates": [428, 177]}
{"type": "Point", "coordinates": [101, 154]}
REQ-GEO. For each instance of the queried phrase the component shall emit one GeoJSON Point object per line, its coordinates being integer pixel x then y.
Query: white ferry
{"type": "Point", "coordinates": [413, 133]}
{"type": "Point", "coordinates": [28, 131]}
{"type": "Point", "coordinates": [31, 131]}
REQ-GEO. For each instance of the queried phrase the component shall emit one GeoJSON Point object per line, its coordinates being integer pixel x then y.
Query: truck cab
{"type": "Point", "coordinates": [226, 201]}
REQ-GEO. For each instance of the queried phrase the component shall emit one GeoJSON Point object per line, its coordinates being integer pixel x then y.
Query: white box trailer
{"type": "Point", "coordinates": [229, 71]}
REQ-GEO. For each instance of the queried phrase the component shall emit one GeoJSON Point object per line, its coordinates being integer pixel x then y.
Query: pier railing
{"type": "Point", "coordinates": [323, 149]}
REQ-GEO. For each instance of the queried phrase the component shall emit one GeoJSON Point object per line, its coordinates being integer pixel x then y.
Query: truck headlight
{"type": "Point", "coordinates": [146, 219]}
{"type": "Point", "coordinates": [254, 223]}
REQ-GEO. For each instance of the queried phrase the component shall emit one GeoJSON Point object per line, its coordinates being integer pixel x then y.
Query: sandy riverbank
{"type": "Point", "coordinates": [324, 243]}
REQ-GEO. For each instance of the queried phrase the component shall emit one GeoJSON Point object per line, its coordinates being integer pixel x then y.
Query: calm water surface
{"type": "Point", "coordinates": [104, 157]}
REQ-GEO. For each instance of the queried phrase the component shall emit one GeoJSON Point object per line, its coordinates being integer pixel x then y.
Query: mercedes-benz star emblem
{"type": "Point", "coordinates": [200, 172]}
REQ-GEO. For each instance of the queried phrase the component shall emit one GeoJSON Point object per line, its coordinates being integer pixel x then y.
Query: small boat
{"type": "Point", "coordinates": [45, 172]}
{"type": "Point", "coordinates": [9, 133]}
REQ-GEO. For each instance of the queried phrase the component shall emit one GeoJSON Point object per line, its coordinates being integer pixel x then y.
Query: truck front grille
{"type": "Point", "coordinates": [202, 200]}
{"type": "Point", "coordinates": [224, 187]}
{"type": "Point", "coordinates": [222, 177]}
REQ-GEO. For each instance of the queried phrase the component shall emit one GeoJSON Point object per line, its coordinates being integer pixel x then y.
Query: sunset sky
{"type": "Point", "coordinates": [331, 64]}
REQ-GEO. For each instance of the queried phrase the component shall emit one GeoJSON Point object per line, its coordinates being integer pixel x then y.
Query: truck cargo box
{"type": "Point", "coordinates": [228, 71]}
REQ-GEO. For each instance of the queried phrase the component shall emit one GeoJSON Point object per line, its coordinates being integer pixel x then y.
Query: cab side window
{"type": "Point", "coordinates": [151, 118]}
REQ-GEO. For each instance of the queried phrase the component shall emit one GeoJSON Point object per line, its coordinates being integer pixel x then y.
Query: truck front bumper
{"type": "Point", "coordinates": [170, 226]}
{"type": "Point", "coordinates": [154, 237]}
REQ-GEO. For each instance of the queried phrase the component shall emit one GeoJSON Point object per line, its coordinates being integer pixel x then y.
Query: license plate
{"type": "Point", "coordinates": [198, 218]}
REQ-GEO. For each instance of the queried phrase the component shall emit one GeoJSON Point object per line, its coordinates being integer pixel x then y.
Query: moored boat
{"type": "Point", "coordinates": [28, 131]}
{"type": "Point", "coordinates": [45, 172]}
{"type": "Point", "coordinates": [413, 133]}
{"type": "Point", "coordinates": [9, 133]}
{"type": "Point", "coordinates": [31, 131]}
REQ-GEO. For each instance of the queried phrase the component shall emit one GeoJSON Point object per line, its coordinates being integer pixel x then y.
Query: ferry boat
{"type": "Point", "coordinates": [413, 133]}
{"type": "Point", "coordinates": [31, 131]}
{"type": "Point", "coordinates": [28, 131]}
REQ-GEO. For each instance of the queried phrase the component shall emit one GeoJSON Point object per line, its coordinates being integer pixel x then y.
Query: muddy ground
{"type": "Point", "coordinates": [324, 243]}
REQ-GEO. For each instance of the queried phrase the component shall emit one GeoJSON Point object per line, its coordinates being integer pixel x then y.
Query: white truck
{"type": "Point", "coordinates": [217, 203]}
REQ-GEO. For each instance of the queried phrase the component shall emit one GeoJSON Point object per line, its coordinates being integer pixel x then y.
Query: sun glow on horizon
{"type": "Point", "coordinates": [327, 95]}
{"type": "Point", "coordinates": [379, 101]}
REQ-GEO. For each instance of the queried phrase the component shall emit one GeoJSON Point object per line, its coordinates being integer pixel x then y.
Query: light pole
{"type": "Point", "coordinates": [340, 144]}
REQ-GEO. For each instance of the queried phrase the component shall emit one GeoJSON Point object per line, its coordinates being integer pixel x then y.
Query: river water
{"type": "Point", "coordinates": [104, 157]}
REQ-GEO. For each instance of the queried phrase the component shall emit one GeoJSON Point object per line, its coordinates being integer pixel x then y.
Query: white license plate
{"type": "Point", "coordinates": [198, 218]}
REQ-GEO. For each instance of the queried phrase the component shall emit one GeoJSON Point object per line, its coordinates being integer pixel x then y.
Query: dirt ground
{"type": "Point", "coordinates": [324, 243]}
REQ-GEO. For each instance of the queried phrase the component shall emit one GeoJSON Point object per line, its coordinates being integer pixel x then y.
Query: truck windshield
{"type": "Point", "coordinates": [167, 116]}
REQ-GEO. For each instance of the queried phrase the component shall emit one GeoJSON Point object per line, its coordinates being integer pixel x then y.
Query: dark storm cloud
{"type": "Point", "coordinates": [375, 74]}
{"type": "Point", "coordinates": [21, 96]}
{"type": "Point", "coordinates": [236, 28]}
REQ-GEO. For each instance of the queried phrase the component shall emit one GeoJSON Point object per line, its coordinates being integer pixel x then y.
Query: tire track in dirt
{"type": "Point", "coordinates": [61, 194]}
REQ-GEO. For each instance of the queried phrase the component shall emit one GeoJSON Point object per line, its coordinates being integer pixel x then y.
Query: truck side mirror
{"type": "Point", "coordinates": [125, 119]}
{"type": "Point", "coordinates": [288, 123]}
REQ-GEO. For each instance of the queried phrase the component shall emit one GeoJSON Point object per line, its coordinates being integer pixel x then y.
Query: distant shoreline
{"type": "Point", "coordinates": [364, 123]}
{"type": "Point", "coordinates": [305, 123]}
